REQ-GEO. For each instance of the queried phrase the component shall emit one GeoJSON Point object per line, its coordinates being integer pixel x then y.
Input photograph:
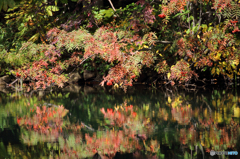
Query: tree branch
{"type": "Point", "coordinates": [193, 7]}
{"type": "Point", "coordinates": [4, 54]}
{"type": "Point", "coordinates": [89, 128]}
{"type": "Point", "coordinates": [164, 42]}
{"type": "Point", "coordinates": [13, 82]}
{"type": "Point", "coordinates": [112, 5]}
{"type": "Point", "coordinates": [189, 25]}
{"type": "Point", "coordinates": [200, 17]}
{"type": "Point", "coordinates": [80, 63]}
{"type": "Point", "coordinates": [87, 58]}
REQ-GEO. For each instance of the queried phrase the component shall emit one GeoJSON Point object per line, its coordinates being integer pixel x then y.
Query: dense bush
{"type": "Point", "coordinates": [178, 39]}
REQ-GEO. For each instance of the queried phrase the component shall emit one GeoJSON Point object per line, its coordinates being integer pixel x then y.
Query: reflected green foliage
{"type": "Point", "coordinates": [166, 125]}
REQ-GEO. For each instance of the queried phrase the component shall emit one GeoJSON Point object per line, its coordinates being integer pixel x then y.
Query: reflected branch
{"type": "Point", "coordinates": [210, 110]}
{"type": "Point", "coordinates": [87, 126]}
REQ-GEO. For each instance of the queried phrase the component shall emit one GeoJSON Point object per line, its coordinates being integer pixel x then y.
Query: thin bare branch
{"type": "Point", "coordinates": [112, 5]}
{"type": "Point", "coordinates": [164, 42]}
{"type": "Point", "coordinates": [200, 17]}
{"type": "Point", "coordinates": [189, 25]}
{"type": "Point", "coordinates": [87, 126]}
{"type": "Point", "coordinates": [12, 82]}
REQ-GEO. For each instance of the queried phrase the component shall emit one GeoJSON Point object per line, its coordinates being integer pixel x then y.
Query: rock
{"type": "Point", "coordinates": [2, 82]}
{"type": "Point", "coordinates": [88, 75]}
{"type": "Point", "coordinates": [72, 88]}
{"type": "Point", "coordinates": [88, 89]}
{"type": "Point", "coordinates": [98, 78]}
{"type": "Point", "coordinates": [74, 77]}
{"type": "Point", "coordinates": [93, 83]}
{"type": "Point", "coordinates": [4, 89]}
{"type": "Point", "coordinates": [5, 79]}
{"type": "Point", "coordinates": [98, 87]}
{"type": "Point", "coordinates": [41, 94]}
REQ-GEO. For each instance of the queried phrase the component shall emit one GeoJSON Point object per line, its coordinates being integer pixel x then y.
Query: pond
{"type": "Point", "coordinates": [142, 123]}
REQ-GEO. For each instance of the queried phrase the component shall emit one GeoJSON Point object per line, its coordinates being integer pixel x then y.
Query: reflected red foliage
{"type": "Point", "coordinates": [111, 142]}
{"type": "Point", "coordinates": [182, 114]}
{"type": "Point", "coordinates": [44, 120]}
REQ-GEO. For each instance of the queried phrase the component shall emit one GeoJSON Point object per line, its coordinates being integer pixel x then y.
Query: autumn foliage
{"type": "Point", "coordinates": [189, 39]}
{"type": "Point", "coordinates": [42, 119]}
{"type": "Point", "coordinates": [125, 127]}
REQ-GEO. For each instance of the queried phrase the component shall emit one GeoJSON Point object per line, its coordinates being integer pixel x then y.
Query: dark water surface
{"type": "Point", "coordinates": [142, 123]}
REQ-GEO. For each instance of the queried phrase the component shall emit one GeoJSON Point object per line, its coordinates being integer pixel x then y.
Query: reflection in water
{"type": "Point", "coordinates": [147, 125]}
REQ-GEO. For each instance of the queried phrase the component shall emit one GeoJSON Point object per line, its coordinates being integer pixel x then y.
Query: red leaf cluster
{"type": "Point", "coordinates": [161, 15]}
{"type": "Point", "coordinates": [133, 76]}
{"type": "Point", "coordinates": [233, 22]}
{"type": "Point", "coordinates": [174, 6]}
{"type": "Point", "coordinates": [109, 83]}
{"type": "Point", "coordinates": [129, 84]}
{"type": "Point", "coordinates": [235, 30]}
{"type": "Point", "coordinates": [18, 75]}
